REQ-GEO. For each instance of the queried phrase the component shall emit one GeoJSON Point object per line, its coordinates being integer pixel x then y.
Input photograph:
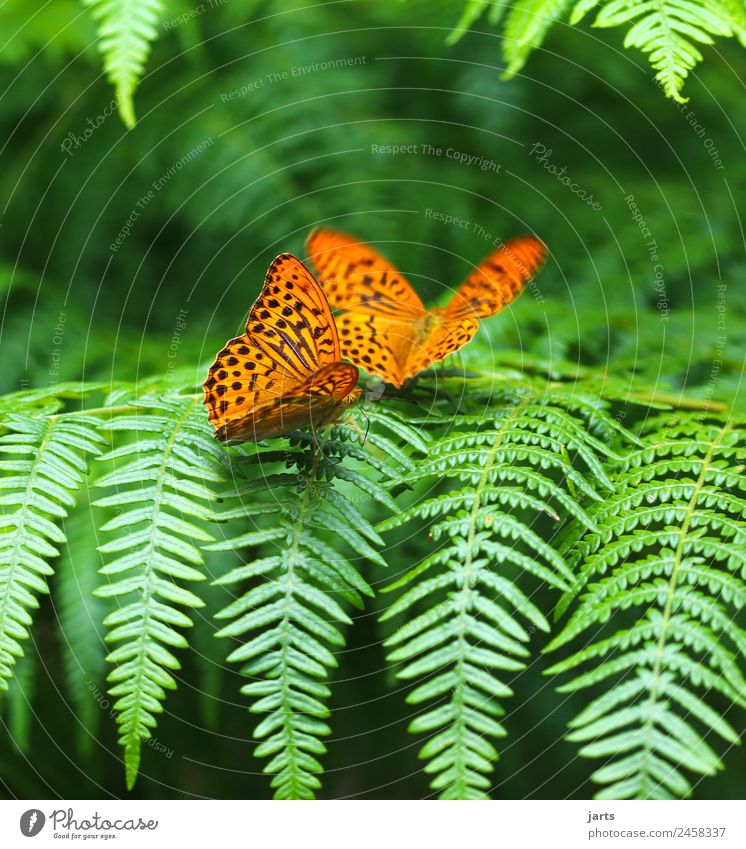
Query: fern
{"type": "Point", "coordinates": [164, 482]}
{"type": "Point", "coordinates": [44, 464]}
{"type": "Point", "coordinates": [659, 584]}
{"type": "Point", "coordinates": [473, 10]}
{"type": "Point", "coordinates": [668, 30]}
{"type": "Point", "coordinates": [126, 30]}
{"type": "Point", "coordinates": [464, 602]}
{"type": "Point", "coordinates": [525, 29]}
{"type": "Point", "coordinates": [289, 620]}
{"type": "Point", "coordinates": [17, 699]}
{"type": "Point", "coordinates": [532, 489]}
{"type": "Point", "coordinates": [80, 614]}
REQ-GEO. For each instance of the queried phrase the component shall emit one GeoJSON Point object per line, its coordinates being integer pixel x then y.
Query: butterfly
{"type": "Point", "coordinates": [385, 328]}
{"type": "Point", "coordinates": [285, 371]}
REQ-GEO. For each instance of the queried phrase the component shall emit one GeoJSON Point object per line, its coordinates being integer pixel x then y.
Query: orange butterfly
{"type": "Point", "coordinates": [385, 328]}
{"type": "Point", "coordinates": [285, 371]}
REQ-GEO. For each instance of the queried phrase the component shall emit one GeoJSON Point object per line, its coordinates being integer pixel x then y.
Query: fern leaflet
{"type": "Point", "coordinates": [290, 618]}
{"type": "Point", "coordinates": [80, 614]}
{"type": "Point", "coordinates": [126, 30]}
{"type": "Point", "coordinates": [164, 482]}
{"type": "Point", "coordinates": [43, 466]}
{"type": "Point", "coordinates": [525, 29]}
{"type": "Point", "coordinates": [659, 585]}
{"type": "Point", "coordinates": [668, 31]}
{"type": "Point", "coordinates": [463, 602]}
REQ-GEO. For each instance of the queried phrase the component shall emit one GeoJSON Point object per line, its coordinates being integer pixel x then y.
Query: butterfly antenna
{"type": "Point", "coordinates": [367, 426]}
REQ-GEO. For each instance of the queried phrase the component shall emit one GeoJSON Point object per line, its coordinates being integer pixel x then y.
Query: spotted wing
{"type": "Point", "coordinates": [444, 336]}
{"type": "Point", "coordinates": [316, 402]}
{"type": "Point", "coordinates": [379, 344]}
{"type": "Point", "coordinates": [356, 277]}
{"type": "Point", "coordinates": [498, 279]}
{"type": "Point", "coordinates": [290, 335]}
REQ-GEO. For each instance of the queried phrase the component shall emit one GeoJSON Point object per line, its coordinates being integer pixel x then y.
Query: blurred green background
{"type": "Point", "coordinates": [129, 253]}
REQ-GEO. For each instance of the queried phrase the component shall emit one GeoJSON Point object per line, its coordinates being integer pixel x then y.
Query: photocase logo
{"type": "Point", "coordinates": [32, 822]}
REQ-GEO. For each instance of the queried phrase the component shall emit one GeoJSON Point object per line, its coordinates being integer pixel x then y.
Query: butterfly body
{"type": "Point", "coordinates": [384, 326]}
{"type": "Point", "coordinates": [285, 371]}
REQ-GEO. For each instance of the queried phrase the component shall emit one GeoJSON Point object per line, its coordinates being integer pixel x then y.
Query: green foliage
{"type": "Point", "coordinates": [611, 333]}
{"type": "Point", "coordinates": [668, 30]}
{"type": "Point", "coordinates": [44, 464]}
{"type": "Point", "coordinates": [530, 489]}
{"type": "Point", "coordinates": [163, 480]}
{"type": "Point", "coordinates": [80, 615]}
{"type": "Point", "coordinates": [473, 10]}
{"type": "Point", "coordinates": [654, 606]}
{"type": "Point", "coordinates": [464, 603]}
{"type": "Point", "coordinates": [126, 29]}
{"type": "Point", "coordinates": [526, 25]}
{"type": "Point", "coordinates": [17, 699]}
{"type": "Point", "coordinates": [290, 619]}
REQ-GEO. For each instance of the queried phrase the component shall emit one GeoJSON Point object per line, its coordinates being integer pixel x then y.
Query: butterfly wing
{"type": "Point", "coordinates": [490, 287]}
{"type": "Point", "coordinates": [356, 277]}
{"type": "Point", "coordinates": [316, 402]}
{"type": "Point", "coordinates": [498, 279]}
{"type": "Point", "coordinates": [290, 335]}
{"type": "Point", "coordinates": [442, 337]}
{"type": "Point", "coordinates": [380, 344]}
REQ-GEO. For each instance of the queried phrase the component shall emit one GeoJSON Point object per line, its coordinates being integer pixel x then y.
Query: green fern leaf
{"type": "Point", "coordinates": [16, 701]}
{"type": "Point", "coordinates": [526, 26]}
{"type": "Point", "coordinates": [164, 481]}
{"type": "Point", "coordinates": [473, 10]}
{"type": "Point", "coordinates": [668, 30]}
{"type": "Point", "coordinates": [653, 607]}
{"type": "Point", "coordinates": [736, 12]}
{"type": "Point", "coordinates": [289, 621]}
{"type": "Point", "coordinates": [44, 462]}
{"type": "Point", "coordinates": [80, 614]}
{"type": "Point", "coordinates": [467, 616]}
{"type": "Point", "coordinates": [126, 30]}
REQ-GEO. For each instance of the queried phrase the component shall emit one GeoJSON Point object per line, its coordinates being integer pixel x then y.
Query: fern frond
{"type": "Point", "coordinates": [659, 585]}
{"type": "Point", "coordinates": [80, 614]}
{"type": "Point", "coordinates": [164, 481]}
{"type": "Point", "coordinates": [126, 29]}
{"type": "Point", "coordinates": [44, 462]}
{"type": "Point", "coordinates": [463, 604]}
{"type": "Point", "coordinates": [736, 11]}
{"type": "Point", "coordinates": [302, 503]}
{"type": "Point", "coordinates": [17, 699]}
{"type": "Point", "coordinates": [668, 30]}
{"type": "Point", "coordinates": [473, 11]}
{"type": "Point", "coordinates": [526, 26]}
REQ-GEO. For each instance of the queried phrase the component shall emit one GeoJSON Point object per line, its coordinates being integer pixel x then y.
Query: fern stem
{"type": "Point", "coordinates": [293, 767]}
{"type": "Point", "coordinates": [672, 586]}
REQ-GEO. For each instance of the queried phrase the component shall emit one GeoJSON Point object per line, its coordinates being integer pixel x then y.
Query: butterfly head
{"type": "Point", "coordinates": [354, 396]}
